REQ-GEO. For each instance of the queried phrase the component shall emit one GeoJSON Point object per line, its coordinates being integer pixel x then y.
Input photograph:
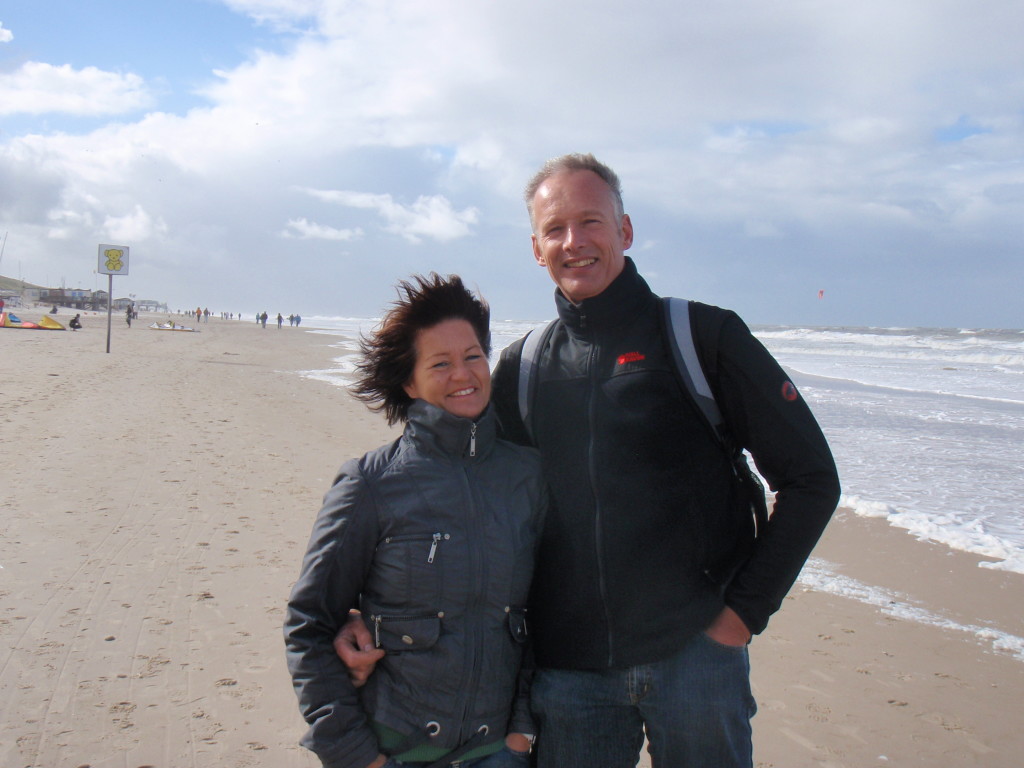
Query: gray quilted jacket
{"type": "Point", "coordinates": [432, 537]}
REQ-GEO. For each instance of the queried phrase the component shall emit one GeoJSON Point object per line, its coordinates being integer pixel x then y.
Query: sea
{"type": "Point", "coordinates": [926, 425]}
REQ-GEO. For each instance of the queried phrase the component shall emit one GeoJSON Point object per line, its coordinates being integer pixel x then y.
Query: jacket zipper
{"type": "Point", "coordinates": [434, 538]}
{"type": "Point", "coordinates": [472, 440]}
{"type": "Point", "coordinates": [478, 565]}
{"type": "Point", "coordinates": [598, 527]}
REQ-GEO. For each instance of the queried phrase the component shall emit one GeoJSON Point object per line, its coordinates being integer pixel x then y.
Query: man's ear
{"type": "Point", "coordinates": [627, 232]}
{"type": "Point", "coordinates": [538, 257]}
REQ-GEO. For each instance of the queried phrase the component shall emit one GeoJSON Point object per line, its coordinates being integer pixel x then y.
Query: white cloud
{"type": "Point", "coordinates": [38, 88]}
{"type": "Point", "coordinates": [307, 230]}
{"type": "Point", "coordinates": [431, 216]}
{"type": "Point", "coordinates": [281, 14]}
{"type": "Point", "coordinates": [5, 34]}
{"type": "Point", "coordinates": [66, 224]}
{"type": "Point", "coordinates": [133, 227]}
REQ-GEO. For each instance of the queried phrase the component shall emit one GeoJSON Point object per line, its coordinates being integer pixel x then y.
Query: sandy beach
{"type": "Point", "coordinates": [156, 504]}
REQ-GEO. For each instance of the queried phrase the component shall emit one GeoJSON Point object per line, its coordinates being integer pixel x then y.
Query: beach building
{"type": "Point", "coordinates": [18, 293]}
{"type": "Point", "coordinates": [11, 298]}
{"type": "Point", "coordinates": [76, 298]}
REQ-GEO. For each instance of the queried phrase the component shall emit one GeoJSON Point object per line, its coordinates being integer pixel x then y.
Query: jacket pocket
{"type": "Point", "coordinates": [408, 571]}
{"type": "Point", "coordinates": [405, 633]}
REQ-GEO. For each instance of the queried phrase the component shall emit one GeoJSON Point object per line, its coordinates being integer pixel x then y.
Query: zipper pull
{"type": "Point", "coordinates": [376, 630]}
{"type": "Point", "coordinates": [472, 440]}
{"type": "Point", "coordinates": [433, 548]}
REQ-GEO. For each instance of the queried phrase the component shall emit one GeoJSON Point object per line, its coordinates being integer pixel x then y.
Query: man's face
{"type": "Point", "coordinates": [579, 236]}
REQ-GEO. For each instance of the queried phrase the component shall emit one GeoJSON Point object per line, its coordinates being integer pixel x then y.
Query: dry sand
{"type": "Point", "coordinates": [156, 503]}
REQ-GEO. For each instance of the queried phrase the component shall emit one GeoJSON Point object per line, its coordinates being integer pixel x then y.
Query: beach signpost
{"type": "Point", "coordinates": [113, 260]}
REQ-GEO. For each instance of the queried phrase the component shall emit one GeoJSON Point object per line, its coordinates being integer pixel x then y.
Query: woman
{"type": "Point", "coordinates": [432, 539]}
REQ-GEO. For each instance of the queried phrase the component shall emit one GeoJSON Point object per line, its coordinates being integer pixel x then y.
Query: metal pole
{"type": "Point", "coordinates": [110, 307]}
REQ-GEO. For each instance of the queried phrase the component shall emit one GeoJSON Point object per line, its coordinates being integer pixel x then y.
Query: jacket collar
{"type": "Point", "coordinates": [616, 306]}
{"type": "Point", "coordinates": [434, 430]}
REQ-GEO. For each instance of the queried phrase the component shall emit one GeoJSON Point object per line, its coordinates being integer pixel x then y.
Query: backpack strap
{"type": "Point", "coordinates": [691, 372]}
{"type": "Point", "coordinates": [681, 329]}
{"type": "Point", "coordinates": [532, 345]}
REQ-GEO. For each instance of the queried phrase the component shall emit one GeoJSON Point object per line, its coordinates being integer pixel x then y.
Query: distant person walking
{"type": "Point", "coordinates": [263, 320]}
{"type": "Point", "coordinates": [280, 321]}
{"type": "Point", "coordinates": [128, 316]}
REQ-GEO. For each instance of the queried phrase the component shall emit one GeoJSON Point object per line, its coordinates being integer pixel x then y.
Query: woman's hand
{"type": "Point", "coordinates": [379, 762]}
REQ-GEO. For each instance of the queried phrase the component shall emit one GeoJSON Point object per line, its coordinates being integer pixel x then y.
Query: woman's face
{"type": "Point", "coordinates": [451, 370]}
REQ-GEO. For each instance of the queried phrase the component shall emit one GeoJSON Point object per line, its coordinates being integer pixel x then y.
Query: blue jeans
{"type": "Point", "coordinates": [696, 707]}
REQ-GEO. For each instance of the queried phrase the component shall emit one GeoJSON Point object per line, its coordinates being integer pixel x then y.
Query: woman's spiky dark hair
{"type": "Point", "coordinates": [388, 354]}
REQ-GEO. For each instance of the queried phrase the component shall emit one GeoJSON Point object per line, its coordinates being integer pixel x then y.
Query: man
{"type": "Point", "coordinates": [647, 589]}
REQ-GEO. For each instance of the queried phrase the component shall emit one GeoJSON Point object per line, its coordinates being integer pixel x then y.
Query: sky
{"type": "Point", "coordinates": [302, 156]}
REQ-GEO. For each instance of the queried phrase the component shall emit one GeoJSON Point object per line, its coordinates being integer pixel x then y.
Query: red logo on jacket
{"type": "Point", "coordinates": [631, 357]}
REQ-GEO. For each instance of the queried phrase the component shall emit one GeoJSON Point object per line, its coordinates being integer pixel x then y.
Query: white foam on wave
{"type": "Point", "coordinates": [864, 383]}
{"type": "Point", "coordinates": [339, 377]}
{"type": "Point", "coordinates": [820, 576]}
{"type": "Point", "coordinates": [954, 531]}
{"type": "Point", "coordinates": [997, 348]}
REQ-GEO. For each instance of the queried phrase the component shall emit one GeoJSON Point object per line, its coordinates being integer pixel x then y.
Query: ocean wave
{"type": "Point", "coordinates": [807, 380]}
{"type": "Point", "coordinates": [954, 531]}
{"type": "Point", "coordinates": [977, 348]}
{"type": "Point", "coordinates": [950, 357]}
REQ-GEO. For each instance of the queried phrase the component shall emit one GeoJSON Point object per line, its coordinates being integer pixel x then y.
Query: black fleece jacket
{"type": "Point", "coordinates": [643, 500]}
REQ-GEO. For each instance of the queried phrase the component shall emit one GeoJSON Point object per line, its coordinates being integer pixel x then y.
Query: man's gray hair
{"type": "Point", "coordinates": [574, 162]}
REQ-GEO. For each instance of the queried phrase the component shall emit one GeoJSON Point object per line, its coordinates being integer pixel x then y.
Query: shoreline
{"type": "Point", "coordinates": [859, 685]}
{"type": "Point", "coordinates": [158, 500]}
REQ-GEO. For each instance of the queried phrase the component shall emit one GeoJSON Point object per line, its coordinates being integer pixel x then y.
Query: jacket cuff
{"type": "Point", "coordinates": [349, 755]}
{"type": "Point", "coordinates": [522, 723]}
{"type": "Point", "coordinates": [755, 620]}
